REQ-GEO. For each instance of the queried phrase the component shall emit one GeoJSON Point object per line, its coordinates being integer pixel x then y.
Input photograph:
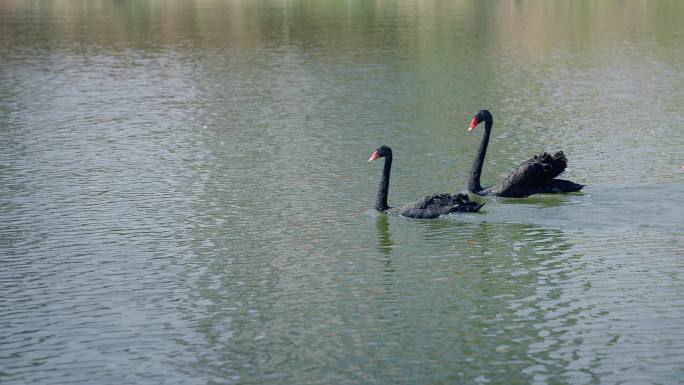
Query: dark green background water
{"type": "Point", "coordinates": [185, 197]}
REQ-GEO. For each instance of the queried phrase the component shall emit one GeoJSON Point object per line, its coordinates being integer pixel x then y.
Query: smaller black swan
{"type": "Point", "coordinates": [430, 206]}
{"type": "Point", "coordinates": [535, 176]}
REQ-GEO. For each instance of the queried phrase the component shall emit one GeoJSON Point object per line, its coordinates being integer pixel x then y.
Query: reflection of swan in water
{"type": "Point", "coordinates": [453, 278]}
{"type": "Point", "coordinates": [546, 200]}
{"type": "Point", "coordinates": [388, 299]}
{"type": "Point", "coordinates": [385, 243]}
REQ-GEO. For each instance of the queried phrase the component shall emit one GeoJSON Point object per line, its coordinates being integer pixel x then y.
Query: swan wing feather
{"type": "Point", "coordinates": [533, 173]}
{"type": "Point", "coordinates": [432, 206]}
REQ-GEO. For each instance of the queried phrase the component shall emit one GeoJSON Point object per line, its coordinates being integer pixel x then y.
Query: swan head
{"type": "Point", "coordinates": [381, 152]}
{"type": "Point", "coordinates": [480, 116]}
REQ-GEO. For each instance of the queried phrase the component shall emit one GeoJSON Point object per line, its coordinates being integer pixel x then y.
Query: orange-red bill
{"type": "Point", "coordinates": [374, 156]}
{"type": "Point", "coordinates": [473, 123]}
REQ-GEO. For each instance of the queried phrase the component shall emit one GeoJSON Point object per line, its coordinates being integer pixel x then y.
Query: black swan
{"type": "Point", "coordinates": [430, 206]}
{"type": "Point", "coordinates": [535, 176]}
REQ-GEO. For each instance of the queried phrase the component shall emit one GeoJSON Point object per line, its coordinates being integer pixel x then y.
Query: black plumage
{"type": "Point", "coordinates": [429, 206]}
{"type": "Point", "coordinates": [534, 176]}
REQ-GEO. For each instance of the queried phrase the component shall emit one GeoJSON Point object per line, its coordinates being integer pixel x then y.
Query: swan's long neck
{"type": "Point", "coordinates": [475, 172]}
{"type": "Point", "coordinates": [381, 198]}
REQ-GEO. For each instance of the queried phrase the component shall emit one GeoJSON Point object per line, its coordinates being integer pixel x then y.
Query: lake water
{"type": "Point", "coordinates": [185, 196]}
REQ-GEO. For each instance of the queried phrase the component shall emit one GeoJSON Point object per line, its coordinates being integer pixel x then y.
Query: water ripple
{"type": "Point", "coordinates": [185, 196]}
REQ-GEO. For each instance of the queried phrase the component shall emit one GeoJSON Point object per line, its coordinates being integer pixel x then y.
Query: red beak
{"type": "Point", "coordinates": [374, 156]}
{"type": "Point", "coordinates": [473, 123]}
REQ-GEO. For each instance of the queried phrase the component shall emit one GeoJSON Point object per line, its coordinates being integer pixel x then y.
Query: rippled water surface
{"type": "Point", "coordinates": [185, 196]}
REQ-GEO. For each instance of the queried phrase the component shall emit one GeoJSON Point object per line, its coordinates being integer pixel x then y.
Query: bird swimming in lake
{"type": "Point", "coordinates": [429, 206]}
{"type": "Point", "coordinates": [534, 176]}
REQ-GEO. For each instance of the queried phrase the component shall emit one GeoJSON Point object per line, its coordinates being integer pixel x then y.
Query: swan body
{"type": "Point", "coordinates": [534, 176]}
{"type": "Point", "coordinates": [432, 206]}
{"type": "Point", "coordinates": [427, 207]}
